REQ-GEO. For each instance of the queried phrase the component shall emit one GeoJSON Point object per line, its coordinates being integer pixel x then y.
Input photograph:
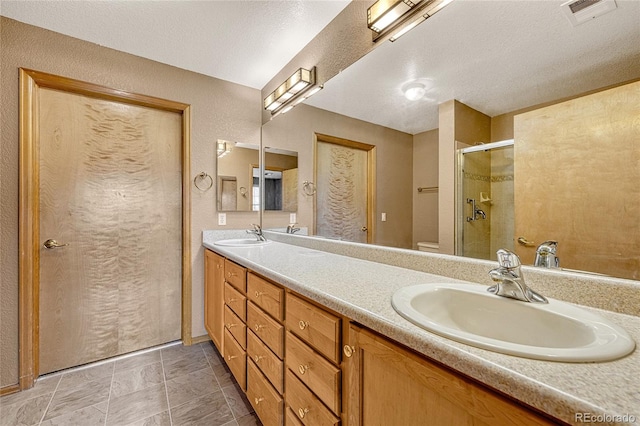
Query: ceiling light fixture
{"type": "Point", "coordinates": [414, 91]}
{"type": "Point", "coordinates": [399, 16]}
{"type": "Point", "coordinates": [299, 82]}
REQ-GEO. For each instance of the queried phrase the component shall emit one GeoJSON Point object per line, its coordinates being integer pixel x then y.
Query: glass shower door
{"type": "Point", "coordinates": [485, 207]}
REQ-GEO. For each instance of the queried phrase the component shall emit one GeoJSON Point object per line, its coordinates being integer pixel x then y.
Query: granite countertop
{"type": "Point", "coordinates": [362, 290]}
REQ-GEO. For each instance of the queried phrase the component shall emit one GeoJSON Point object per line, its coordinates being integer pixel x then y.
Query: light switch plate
{"type": "Point", "coordinates": [384, 217]}
{"type": "Point", "coordinates": [222, 219]}
{"type": "Point", "coordinates": [293, 218]}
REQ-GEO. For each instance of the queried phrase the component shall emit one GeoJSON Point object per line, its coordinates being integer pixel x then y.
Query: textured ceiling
{"type": "Point", "coordinates": [495, 56]}
{"type": "Point", "coordinates": [246, 42]}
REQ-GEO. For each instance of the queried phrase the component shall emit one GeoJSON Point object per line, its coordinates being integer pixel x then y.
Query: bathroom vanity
{"type": "Point", "coordinates": [312, 339]}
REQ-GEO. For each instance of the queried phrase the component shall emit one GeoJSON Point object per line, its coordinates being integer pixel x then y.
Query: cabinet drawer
{"type": "Point", "coordinates": [315, 326]}
{"type": "Point", "coordinates": [306, 406]}
{"type": "Point", "coordinates": [235, 275]}
{"type": "Point", "coordinates": [236, 359]}
{"type": "Point", "coordinates": [268, 296]}
{"type": "Point", "coordinates": [264, 398]}
{"type": "Point", "coordinates": [236, 327]}
{"type": "Point", "coordinates": [322, 377]}
{"type": "Point", "coordinates": [269, 364]}
{"type": "Point", "coordinates": [266, 328]}
{"type": "Point", "coordinates": [290, 418]}
{"type": "Point", "coordinates": [236, 301]}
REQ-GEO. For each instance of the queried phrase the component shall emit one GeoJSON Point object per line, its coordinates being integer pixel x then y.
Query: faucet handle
{"type": "Point", "coordinates": [508, 259]}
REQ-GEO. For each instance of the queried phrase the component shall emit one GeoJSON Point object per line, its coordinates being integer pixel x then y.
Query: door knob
{"type": "Point", "coordinates": [364, 229]}
{"type": "Point", "coordinates": [51, 244]}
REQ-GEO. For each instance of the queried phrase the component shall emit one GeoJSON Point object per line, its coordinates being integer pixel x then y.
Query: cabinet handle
{"type": "Point", "coordinates": [348, 350]}
{"type": "Point", "coordinates": [302, 412]}
{"type": "Point", "coordinates": [231, 274]}
{"type": "Point", "coordinates": [259, 327]}
{"type": "Point", "coordinates": [219, 266]}
{"type": "Point", "coordinates": [303, 324]}
{"type": "Point", "coordinates": [259, 293]}
{"type": "Point", "coordinates": [303, 369]}
{"type": "Point", "coordinates": [257, 358]}
{"type": "Point", "coordinates": [258, 400]}
{"type": "Point", "coordinates": [232, 299]}
{"type": "Point", "coordinates": [231, 325]}
{"type": "Point", "coordinates": [230, 357]}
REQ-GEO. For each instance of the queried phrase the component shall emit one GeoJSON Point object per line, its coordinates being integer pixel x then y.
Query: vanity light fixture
{"type": "Point", "coordinates": [223, 148]}
{"type": "Point", "coordinates": [399, 19]}
{"type": "Point", "coordinates": [298, 100]}
{"type": "Point", "coordinates": [298, 83]}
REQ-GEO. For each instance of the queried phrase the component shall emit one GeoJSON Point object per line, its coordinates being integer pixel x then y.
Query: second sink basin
{"type": "Point", "coordinates": [556, 331]}
{"type": "Point", "coordinates": [241, 242]}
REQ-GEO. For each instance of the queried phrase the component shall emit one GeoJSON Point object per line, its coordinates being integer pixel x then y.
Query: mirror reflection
{"type": "Point", "coordinates": [237, 183]}
{"type": "Point", "coordinates": [570, 111]}
{"type": "Point", "coordinates": [280, 180]}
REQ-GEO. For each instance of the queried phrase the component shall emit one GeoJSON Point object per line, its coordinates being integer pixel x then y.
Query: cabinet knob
{"type": "Point", "coordinates": [219, 266]}
{"type": "Point", "coordinates": [258, 293]}
{"type": "Point", "coordinates": [231, 325]}
{"type": "Point", "coordinates": [257, 358]}
{"type": "Point", "coordinates": [302, 412]}
{"type": "Point", "coordinates": [303, 324]}
{"type": "Point", "coordinates": [230, 357]}
{"type": "Point", "coordinates": [348, 350]}
{"type": "Point", "coordinates": [231, 274]}
{"type": "Point", "coordinates": [258, 400]}
{"type": "Point", "coordinates": [303, 369]}
{"type": "Point", "coordinates": [259, 327]}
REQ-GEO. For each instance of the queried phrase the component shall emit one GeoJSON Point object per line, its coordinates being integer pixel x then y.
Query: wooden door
{"type": "Point", "coordinates": [110, 192]}
{"type": "Point", "coordinates": [214, 297]}
{"type": "Point", "coordinates": [387, 384]}
{"type": "Point", "coordinates": [344, 189]}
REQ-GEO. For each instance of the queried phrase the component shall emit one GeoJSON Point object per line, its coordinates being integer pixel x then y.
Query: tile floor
{"type": "Point", "coordinates": [175, 385]}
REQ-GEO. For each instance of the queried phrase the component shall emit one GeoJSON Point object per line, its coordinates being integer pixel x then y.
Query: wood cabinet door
{"type": "Point", "coordinates": [214, 297]}
{"type": "Point", "coordinates": [387, 384]}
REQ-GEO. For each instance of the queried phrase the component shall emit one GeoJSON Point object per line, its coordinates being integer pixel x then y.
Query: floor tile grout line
{"type": "Point", "coordinates": [113, 375]}
{"type": "Point", "coordinates": [224, 395]}
{"type": "Point", "coordinates": [50, 400]}
{"type": "Point", "coordinates": [166, 390]}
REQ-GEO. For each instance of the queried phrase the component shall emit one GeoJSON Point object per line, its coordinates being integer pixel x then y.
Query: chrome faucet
{"type": "Point", "coordinates": [546, 255]}
{"type": "Point", "coordinates": [257, 231]}
{"type": "Point", "coordinates": [510, 281]}
{"type": "Point", "coordinates": [291, 229]}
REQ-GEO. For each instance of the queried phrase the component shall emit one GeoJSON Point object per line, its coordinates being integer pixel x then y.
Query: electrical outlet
{"type": "Point", "coordinates": [222, 219]}
{"type": "Point", "coordinates": [384, 217]}
{"type": "Point", "coordinates": [293, 218]}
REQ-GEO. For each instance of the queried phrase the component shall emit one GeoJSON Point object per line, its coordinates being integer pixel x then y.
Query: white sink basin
{"type": "Point", "coordinates": [556, 331]}
{"type": "Point", "coordinates": [241, 242]}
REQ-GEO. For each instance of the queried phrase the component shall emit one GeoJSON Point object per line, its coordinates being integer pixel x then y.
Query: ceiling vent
{"type": "Point", "coordinates": [580, 11]}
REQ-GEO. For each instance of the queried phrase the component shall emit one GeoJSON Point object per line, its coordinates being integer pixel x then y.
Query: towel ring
{"type": "Point", "coordinates": [200, 177]}
{"type": "Point", "coordinates": [309, 188]}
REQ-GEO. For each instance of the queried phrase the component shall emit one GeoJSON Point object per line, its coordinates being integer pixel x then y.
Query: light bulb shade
{"type": "Point", "coordinates": [296, 83]}
{"type": "Point", "coordinates": [383, 13]}
{"type": "Point", "coordinates": [414, 91]}
{"type": "Point", "coordinates": [223, 148]}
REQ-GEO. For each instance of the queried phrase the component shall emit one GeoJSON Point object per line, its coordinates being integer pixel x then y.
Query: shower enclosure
{"type": "Point", "coordinates": [484, 200]}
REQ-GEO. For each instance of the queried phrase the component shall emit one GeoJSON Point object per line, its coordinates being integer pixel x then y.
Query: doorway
{"type": "Point", "coordinates": [104, 242]}
{"type": "Point", "coordinates": [345, 182]}
{"type": "Point", "coordinates": [485, 200]}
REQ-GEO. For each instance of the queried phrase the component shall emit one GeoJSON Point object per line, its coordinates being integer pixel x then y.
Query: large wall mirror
{"type": "Point", "coordinates": [238, 176]}
{"type": "Point", "coordinates": [472, 75]}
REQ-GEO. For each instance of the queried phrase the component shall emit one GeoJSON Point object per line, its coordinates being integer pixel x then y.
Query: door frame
{"type": "Point", "coordinates": [371, 176]}
{"type": "Point", "coordinates": [29, 258]}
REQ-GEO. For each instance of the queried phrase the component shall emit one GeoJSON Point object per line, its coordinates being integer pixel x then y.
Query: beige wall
{"type": "Point", "coordinates": [425, 174]}
{"type": "Point", "coordinates": [295, 131]}
{"type": "Point", "coordinates": [577, 170]}
{"type": "Point", "coordinates": [220, 110]}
